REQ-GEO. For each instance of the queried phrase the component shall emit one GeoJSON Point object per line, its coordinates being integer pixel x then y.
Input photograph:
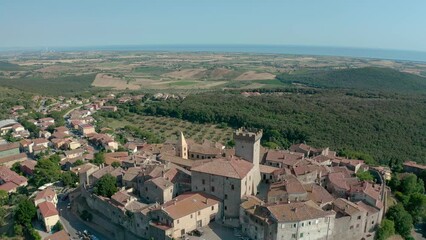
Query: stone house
{"type": "Point", "coordinates": [229, 179]}
{"type": "Point", "coordinates": [184, 214]}
{"type": "Point", "coordinates": [48, 214]}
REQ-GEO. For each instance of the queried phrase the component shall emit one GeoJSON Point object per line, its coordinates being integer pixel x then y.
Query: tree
{"type": "Point", "coordinates": [58, 227]}
{"type": "Point", "coordinates": [69, 179]}
{"type": "Point", "coordinates": [364, 175]}
{"type": "Point", "coordinates": [3, 213]}
{"type": "Point", "coordinates": [416, 206]}
{"type": "Point", "coordinates": [46, 171]}
{"type": "Point", "coordinates": [401, 218]}
{"type": "Point", "coordinates": [115, 164]}
{"type": "Point", "coordinates": [17, 229]}
{"type": "Point", "coordinates": [4, 196]}
{"type": "Point", "coordinates": [16, 167]}
{"type": "Point", "coordinates": [78, 163]}
{"type": "Point", "coordinates": [25, 211]}
{"type": "Point", "coordinates": [386, 229]}
{"type": "Point", "coordinates": [410, 185]}
{"type": "Point", "coordinates": [99, 158]}
{"type": "Point", "coordinates": [33, 234]}
{"type": "Point", "coordinates": [106, 186]}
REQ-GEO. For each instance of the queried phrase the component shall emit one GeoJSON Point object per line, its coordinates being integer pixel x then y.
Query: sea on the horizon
{"type": "Point", "coordinates": [403, 55]}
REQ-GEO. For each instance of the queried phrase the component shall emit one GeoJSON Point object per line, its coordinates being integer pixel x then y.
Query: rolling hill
{"type": "Point", "coordinates": [368, 78]}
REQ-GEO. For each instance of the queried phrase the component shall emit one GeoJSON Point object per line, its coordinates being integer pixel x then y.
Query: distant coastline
{"type": "Point", "coordinates": [398, 55]}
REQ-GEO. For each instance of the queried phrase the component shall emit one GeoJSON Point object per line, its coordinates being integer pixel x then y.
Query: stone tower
{"type": "Point", "coordinates": [182, 147]}
{"type": "Point", "coordinates": [247, 146]}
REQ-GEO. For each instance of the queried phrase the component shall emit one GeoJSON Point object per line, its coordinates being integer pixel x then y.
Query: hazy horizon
{"type": "Point", "coordinates": [330, 23]}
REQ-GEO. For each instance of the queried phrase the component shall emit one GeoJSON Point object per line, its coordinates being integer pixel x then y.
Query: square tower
{"type": "Point", "coordinates": [247, 144]}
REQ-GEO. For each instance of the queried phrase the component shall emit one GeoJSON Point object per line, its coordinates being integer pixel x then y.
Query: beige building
{"type": "Point", "coordinates": [229, 179]}
{"type": "Point", "coordinates": [86, 129]}
{"type": "Point", "coordinates": [184, 214]}
{"type": "Point", "coordinates": [157, 190]}
{"type": "Point", "coordinates": [302, 220]}
{"type": "Point", "coordinates": [48, 214]}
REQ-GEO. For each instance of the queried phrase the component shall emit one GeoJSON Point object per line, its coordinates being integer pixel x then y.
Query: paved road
{"type": "Point", "coordinates": [72, 223]}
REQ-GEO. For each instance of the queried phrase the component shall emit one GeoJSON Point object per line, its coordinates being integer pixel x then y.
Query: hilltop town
{"type": "Point", "coordinates": [84, 182]}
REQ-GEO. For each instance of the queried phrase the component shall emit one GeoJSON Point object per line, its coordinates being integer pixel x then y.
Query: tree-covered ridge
{"type": "Point", "coordinates": [385, 126]}
{"type": "Point", "coordinates": [61, 85]}
{"type": "Point", "coordinates": [368, 78]}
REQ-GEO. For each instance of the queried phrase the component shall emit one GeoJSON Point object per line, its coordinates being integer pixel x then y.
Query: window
{"type": "Point", "coordinates": [301, 235]}
{"type": "Point", "coordinates": [294, 225]}
{"type": "Point", "coordinates": [177, 221]}
{"type": "Point", "coordinates": [212, 207]}
{"type": "Point", "coordinates": [212, 189]}
{"type": "Point", "coordinates": [226, 208]}
{"type": "Point", "coordinates": [372, 222]}
{"type": "Point", "coordinates": [232, 186]}
{"type": "Point", "coordinates": [352, 227]}
{"type": "Point", "coordinates": [199, 213]}
{"type": "Point", "coordinates": [226, 196]}
{"type": "Point", "coordinates": [359, 217]}
{"type": "Point", "coordinates": [303, 224]}
{"type": "Point", "coordinates": [293, 235]}
{"type": "Point", "coordinates": [203, 181]}
{"type": "Point", "coordinates": [282, 225]}
{"type": "Point", "coordinates": [191, 215]}
{"type": "Point", "coordinates": [309, 223]}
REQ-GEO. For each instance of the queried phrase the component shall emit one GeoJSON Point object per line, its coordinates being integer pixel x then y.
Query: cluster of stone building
{"type": "Point", "coordinates": [168, 190]}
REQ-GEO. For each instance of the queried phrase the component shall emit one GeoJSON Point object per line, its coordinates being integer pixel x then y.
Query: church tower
{"type": "Point", "coordinates": [182, 147]}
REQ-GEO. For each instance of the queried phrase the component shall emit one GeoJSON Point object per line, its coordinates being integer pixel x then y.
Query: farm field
{"type": "Point", "coordinates": [79, 72]}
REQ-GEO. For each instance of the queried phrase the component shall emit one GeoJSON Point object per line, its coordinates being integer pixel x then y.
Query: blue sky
{"type": "Point", "coordinates": [340, 23]}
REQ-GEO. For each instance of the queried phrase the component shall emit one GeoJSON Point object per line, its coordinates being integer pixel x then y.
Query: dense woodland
{"type": "Point", "coordinates": [368, 78]}
{"type": "Point", "coordinates": [385, 126]}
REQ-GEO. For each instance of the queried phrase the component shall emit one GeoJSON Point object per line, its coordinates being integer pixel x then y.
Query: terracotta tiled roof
{"type": "Point", "coordinates": [318, 194]}
{"type": "Point", "coordinates": [415, 165]}
{"type": "Point", "coordinates": [267, 169]}
{"type": "Point", "coordinates": [297, 211]}
{"type": "Point", "coordinates": [228, 167]}
{"type": "Point", "coordinates": [7, 175]}
{"type": "Point", "coordinates": [47, 194]}
{"type": "Point", "coordinates": [188, 203]}
{"type": "Point", "coordinates": [61, 235]}
{"type": "Point", "coordinates": [9, 186]}
{"type": "Point", "coordinates": [16, 157]}
{"type": "Point", "coordinates": [47, 209]}
{"type": "Point", "coordinates": [9, 146]}
{"type": "Point", "coordinates": [286, 157]}
{"type": "Point", "coordinates": [346, 207]}
{"type": "Point", "coordinates": [160, 182]}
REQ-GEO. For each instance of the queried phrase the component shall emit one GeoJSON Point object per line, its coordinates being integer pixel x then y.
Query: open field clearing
{"type": "Point", "coordinates": [107, 80]}
{"type": "Point", "coordinates": [252, 75]}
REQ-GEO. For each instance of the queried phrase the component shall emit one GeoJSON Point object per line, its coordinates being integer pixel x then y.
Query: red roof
{"type": "Point", "coordinates": [47, 193]}
{"type": "Point", "coordinates": [228, 167]}
{"type": "Point", "coordinates": [47, 209]}
{"type": "Point", "coordinates": [8, 186]}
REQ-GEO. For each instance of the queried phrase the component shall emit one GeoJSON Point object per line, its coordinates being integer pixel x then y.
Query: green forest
{"type": "Point", "coordinates": [384, 126]}
{"type": "Point", "coordinates": [368, 78]}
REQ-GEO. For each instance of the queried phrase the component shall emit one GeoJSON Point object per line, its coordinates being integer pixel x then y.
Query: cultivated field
{"type": "Point", "coordinates": [167, 128]}
{"type": "Point", "coordinates": [150, 71]}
